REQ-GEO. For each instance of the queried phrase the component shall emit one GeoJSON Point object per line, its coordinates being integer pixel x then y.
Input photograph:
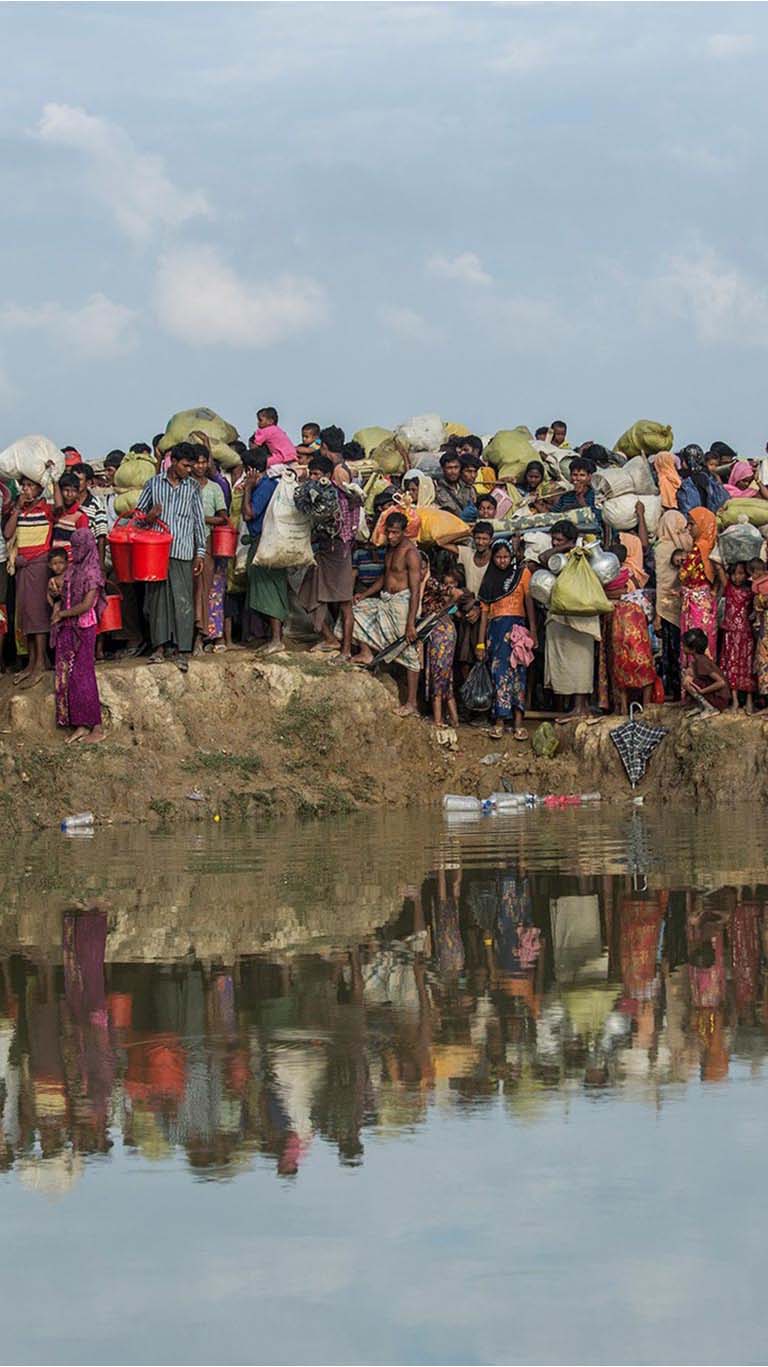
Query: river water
{"type": "Point", "coordinates": [393, 1089]}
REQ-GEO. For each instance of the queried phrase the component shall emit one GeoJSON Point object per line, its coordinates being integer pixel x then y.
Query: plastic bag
{"type": "Point", "coordinates": [435, 524]}
{"type": "Point", "coordinates": [545, 741]}
{"type": "Point", "coordinates": [476, 692]}
{"type": "Point", "coordinates": [424, 433]}
{"type": "Point", "coordinates": [742, 541]}
{"type": "Point", "coordinates": [754, 509]}
{"type": "Point", "coordinates": [413, 526]}
{"type": "Point", "coordinates": [390, 455]}
{"type": "Point", "coordinates": [646, 438]}
{"type": "Point", "coordinates": [620, 513]}
{"type": "Point", "coordinates": [578, 591]}
{"type": "Point", "coordinates": [371, 437]}
{"type": "Point", "coordinates": [198, 420]}
{"type": "Point", "coordinates": [510, 451]}
{"type": "Point", "coordinates": [134, 471]}
{"type": "Point", "coordinates": [285, 538]}
{"type": "Point", "coordinates": [29, 458]}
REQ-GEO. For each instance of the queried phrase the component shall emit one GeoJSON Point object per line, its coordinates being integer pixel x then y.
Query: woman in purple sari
{"type": "Point", "coordinates": [74, 625]}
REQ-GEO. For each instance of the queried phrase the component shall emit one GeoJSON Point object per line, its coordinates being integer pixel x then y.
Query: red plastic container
{"type": "Point", "coordinates": [150, 551]}
{"type": "Point", "coordinates": [224, 541]}
{"type": "Point", "coordinates": [120, 545]}
{"type": "Point", "coordinates": [112, 617]}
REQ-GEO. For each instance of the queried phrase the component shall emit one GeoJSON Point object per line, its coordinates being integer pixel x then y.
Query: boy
{"type": "Point", "coordinates": [279, 445]}
{"type": "Point", "coordinates": [702, 680]}
{"type": "Point", "coordinates": [310, 441]}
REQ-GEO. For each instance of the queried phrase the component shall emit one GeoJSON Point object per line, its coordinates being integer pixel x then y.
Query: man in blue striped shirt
{"type": "Point", "coordinates": [175, 499]}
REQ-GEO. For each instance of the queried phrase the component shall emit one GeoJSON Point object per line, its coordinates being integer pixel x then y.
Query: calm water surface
{"type": "Point", "coordinates": [387, 1090]}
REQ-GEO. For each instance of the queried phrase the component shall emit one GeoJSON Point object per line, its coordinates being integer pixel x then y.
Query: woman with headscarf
{"type": "Point", "coordinates": [697, 576]}
{"type": "Point", "coordinates": [630, 657]}
{"type": "Point", "coordinates": [668, 478]}
{"type": "Point", "coordinates": [741, 481]}
{"type": "Point", "coordinates": [699, 488]}
{"type": "Point", "coordinates": [672, 535]}
{"type": "Point", "coordinates": [74, 624]}
{"type": "Point", "coordinates": [508, 625]}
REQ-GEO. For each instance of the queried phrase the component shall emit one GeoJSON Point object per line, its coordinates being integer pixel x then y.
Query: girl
{"type": "Point", "coordinates": [737, 653]}
{"type": "Point", "coordinates": [31, 519]}
{"type": "Point", "coordinates": [759, 576]}
{"type": "Point", "coordinates": [533, 478]}
{"type": "Point", "coordinates": [631, 655]}
{"type": "Point", "coordinates": [74, 623]}
{"type": "Point", "coordinates": [211, 584]}
{"type": "Point", "coordinates": [441, 643]}
{"type": "Point", "coordinates": [508, 623]}
{"type": "Point", "coordinates": [672, 535]}
{"type": "Point", "coordinates": [698, 603]}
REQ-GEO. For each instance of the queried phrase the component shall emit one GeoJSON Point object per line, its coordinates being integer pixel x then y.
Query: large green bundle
{"type": "Point", "coordinates": [754, 509]}
{"type": "Point", "coordinates": [510, 451]}
{"type": "Point", "coordinates": [578, 591]}
{"type": "Point", "coordinates": [221, 433]}
{"type": "Point", "coordinates": [134, 471]}
{"type": "Point", "coordinates": [390, 455]}
{"type": "Point", "coordinates": [646, 438]}
{"type": "Point", "coordinates": [126, 502]}
{"type": "Point", "coordinates": [371, 437]}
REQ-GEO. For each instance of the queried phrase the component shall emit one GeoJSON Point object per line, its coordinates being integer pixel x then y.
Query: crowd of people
{"type": "Point", "coordinates": [428, 574]}
{"type": "Point", "coordinates": [490, 985]}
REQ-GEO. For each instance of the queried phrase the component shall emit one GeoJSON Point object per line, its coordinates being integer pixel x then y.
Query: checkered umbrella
{"type": "Point", "coordinates": [636, 742]}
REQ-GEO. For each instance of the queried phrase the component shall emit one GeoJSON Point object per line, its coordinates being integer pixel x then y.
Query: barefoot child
{"type": "Point", "coordinates": [74, 624]}
{"type": "Point", "coordinates": [440, 647]}
{"type": "Point", "coordinates": [702, 680]}
{"type": "Point", "coordinates": [738, 648]}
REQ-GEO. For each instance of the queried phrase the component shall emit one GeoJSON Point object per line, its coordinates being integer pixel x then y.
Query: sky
{"type": "Point", "coordinates": [357, 212]}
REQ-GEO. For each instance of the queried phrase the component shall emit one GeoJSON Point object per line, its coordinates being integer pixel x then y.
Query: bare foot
{"type": "Point", "coordinates": [363, 657]}
{"type": "Point", "coordinates": [21, 676]}
{"type": "Point", "coordinates": [94, 736]}
{"type": "Point", "coordinates": [406, 711]}
{"type": "Point", "coordinates": [76, 735]}
{"type": "Point", "coordinates": [32, 679]}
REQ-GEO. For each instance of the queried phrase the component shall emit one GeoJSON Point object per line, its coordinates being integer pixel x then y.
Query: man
{"type": "Point", "coordinates": [569, 652]}
{"type": "Point", "coordinates": [330, 582]}
{"type": "Point", "coordinates": [470, 446]}
{"type": "Point", "coordinates": [449, 490]}
{"type": "Point", "coordinates": [379, 621]}
{"type": "Point", "coordinates": [174, 498]}
{"type": "Point", "coordinates": [559, 433]}
{"type": "Point", "coordinates": [582, 495]}
{"type": "Point", "coordinates": [470, 467]}
{"type": "Point", "coordinates": [92, 506]}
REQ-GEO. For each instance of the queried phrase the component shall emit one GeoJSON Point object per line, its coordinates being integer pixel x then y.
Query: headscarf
{"type": "Point", "coordinates": [707, 525]}
{"type": "Point", "coordinates": [741, 470]}
{"type": "Point", "coordinates": [672, 535]}
{"type": "Point", "coordinates": [497, 583]}
{"type": "Point", "coordinates": [634, 561]}
{"type": "Point", "coordinates": [83, 571]}
{"type": "Point", "coordinates": [669, 480]}
{"type": "Point", "coordinates": [424, 494]}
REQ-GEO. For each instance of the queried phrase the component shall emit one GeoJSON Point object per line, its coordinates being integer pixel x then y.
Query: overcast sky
{"type": "Point", "coordinates": [358, 212]}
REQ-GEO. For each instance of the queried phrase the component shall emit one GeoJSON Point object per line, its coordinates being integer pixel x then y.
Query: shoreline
{"type": "Point", "coordinates": [242, 736]}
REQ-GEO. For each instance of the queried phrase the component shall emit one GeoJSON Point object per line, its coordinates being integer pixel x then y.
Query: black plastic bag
{"type": "Point", "coordinates": [476, 692]}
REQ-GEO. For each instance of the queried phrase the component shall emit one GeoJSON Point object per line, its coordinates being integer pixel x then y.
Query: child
{"type": "Point", "coordinates": [57, 564]}
{"type": "Point", "coordinates": [738, 647]}
{"type": "Point", "coordinates": [441, 642]}
{"type": "Point", "coordinates": [68, 514]}
{"type": "Point", "coordinates": [486, 508]}
{"type": "Point", "coordinates": [279, 445]}
{"type": "Point", "coordinates": [310, 441]}
{"type": "Point", "coordinates": [759, 576]}
{"type": "Point", "coordinates": [702, 680]}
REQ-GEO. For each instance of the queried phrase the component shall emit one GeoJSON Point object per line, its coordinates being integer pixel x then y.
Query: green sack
{"type": "Point", "coordinates": [371, 437]}
{"type": "Point", "coordinates": [197, 420]}
{"type": "Point", "coordinates": [578, 591]}
{"type": "Point", "coordinates": [134, 471]}
{"type": "Point", "coordinates": [390, 455]}
{"type": "Point", "coordinates": [545, 741]}
{"type": "Point", "coordinates": [510, 451]}
{"type": "Point", "coordinates": [754, 509]}
{"type": "Point", "coordinates": [646, 438]}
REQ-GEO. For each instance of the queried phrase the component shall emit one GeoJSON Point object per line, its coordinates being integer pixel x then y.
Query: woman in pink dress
{"type": "Point", "coordinates": [74, 624]}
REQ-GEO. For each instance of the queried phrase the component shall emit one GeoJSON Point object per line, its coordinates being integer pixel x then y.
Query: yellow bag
{"type": "Point", "coordinates": [455, 429]}
{"type": "Point", "coordinates": [510, 451]}
{"type": "Point", "coordinates": [645, 438]}
{"type": "Point", "coordinates": [437, 524]}
{"type": "Point", "coordinates": [134, 471]}
{"type": "Point", "coordinates": [578, 591]}
{"type": "Point", "coordinates": [486, 479]}
{"type": "Point", "coordinates": [196, 420]}
{"type": "Point", "coordinates": [755, 509]}
{"type": "Point", "coordinates": [390, 455]}
{"type": "Point", "coordinates": [126, 502]}
{"type": "Point", "coordinates": [371, 437]}
{"type": "Point", "coordinates": [375, 484]}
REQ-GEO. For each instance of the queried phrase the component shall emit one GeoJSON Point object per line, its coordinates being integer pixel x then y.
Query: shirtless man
{"type": "Point", "coordinates": [378, 621]}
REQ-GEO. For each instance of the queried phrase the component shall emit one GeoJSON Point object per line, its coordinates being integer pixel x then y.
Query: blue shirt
{"type": "Point", "coordinates": [260, 500]}
{"type": "Point", "coordinates": [569, 501]}
{"type": "Point", "coordinates": [181, 509]}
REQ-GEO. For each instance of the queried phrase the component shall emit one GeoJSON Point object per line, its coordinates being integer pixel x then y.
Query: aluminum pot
{"type": "Point", "coordinates": [541, 586]}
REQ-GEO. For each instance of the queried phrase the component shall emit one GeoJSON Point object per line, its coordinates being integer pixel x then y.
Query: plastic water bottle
{"type": "Point", "coordinates": [454, 802]}
{"type": "Point", "coordinates": [507, 801]}
{"type": "Point", "coordinates": [77, 822]}
{"type": "Point", "coordinates": [591, 797]}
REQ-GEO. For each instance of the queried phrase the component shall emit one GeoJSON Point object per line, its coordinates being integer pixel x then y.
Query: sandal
{"type": "Point", "coordinates": [156, 658]}
{"type": "Point", "coordinates": [182, 664]}
{"type": "Point", "coordinates": [520, 734]}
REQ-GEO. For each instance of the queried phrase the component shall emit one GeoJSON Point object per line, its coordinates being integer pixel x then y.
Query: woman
{"type": "Point", "coordinates": [31, 519]}
{"type": "Point", "coordinates": [211, 584]}
{"type": "Point", "coordinates": [74, 624]}
{"type": "Point", "coordinates": [632, 664]}
{"type": "Point", "coordinates": [508, 625]}
{"type": "Point", "coordinates": [697, 575]}
{"type": "Point", "coordinates": [532, 479]}
{"type": "Point", "coordinates": [669, 481]}
{"type": "Point", "coordinates": [741, 482]}
{"type": "Point", "coordinates": [672, 535]}
{"type": "Point", "coordinates": [698, 489]}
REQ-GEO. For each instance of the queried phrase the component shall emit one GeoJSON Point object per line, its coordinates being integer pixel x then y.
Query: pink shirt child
{"type": "Point", "coordinates": [281, 449]}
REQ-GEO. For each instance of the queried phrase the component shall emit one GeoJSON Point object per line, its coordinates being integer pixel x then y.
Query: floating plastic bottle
{"type": "Point", "coordinates": [570, 799]}
{"type": "Point", "coordinates": [77, 822]}
{"type": "Point", "coordinates": [455, 802]}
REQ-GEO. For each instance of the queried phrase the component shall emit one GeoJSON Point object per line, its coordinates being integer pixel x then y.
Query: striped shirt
{"type": "Point", "coordinates": [96, 513]}
{"type": "Point", "coordinates": [33, 530]}
{"type": "Point", "coordinates": [181, 509]}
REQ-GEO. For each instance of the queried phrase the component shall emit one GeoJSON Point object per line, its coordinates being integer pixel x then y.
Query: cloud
{"type": "Point", "coordinates": [466, 267]}
{"type": "Point", "coordinates": [723, 304]}
{"type": "Point", "coordinates": [202, 301]}
{"type": "Point", "coordinates": [100, 328]}
{"type": "Point", "coordinates": [133, 184]}
{"type": "Point", "coordinates": [729, 44]}
{"type": "Point", "coordinates": [407, 324]}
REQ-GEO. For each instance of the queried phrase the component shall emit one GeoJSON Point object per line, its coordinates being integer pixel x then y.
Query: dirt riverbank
{"type": "Point", "coordinates": [243, 736]}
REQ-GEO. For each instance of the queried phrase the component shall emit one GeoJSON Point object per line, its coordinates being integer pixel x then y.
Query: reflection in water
{"type": "Point", "coordinates": [498, 981]}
